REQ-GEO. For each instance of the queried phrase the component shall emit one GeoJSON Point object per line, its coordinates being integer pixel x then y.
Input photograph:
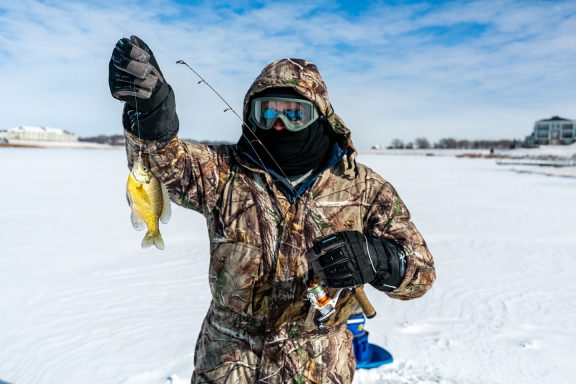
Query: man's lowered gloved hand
{"type": "Point", "coordinates": [133, 72]}
{"type": "Point", "coordinates": [348, 258]}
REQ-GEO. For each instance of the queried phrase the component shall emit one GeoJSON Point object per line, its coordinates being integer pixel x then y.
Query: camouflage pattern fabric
{"type": "Point", "coordinates": [260, 326]}
{"type": "Point", "coordinates": [232, 352]}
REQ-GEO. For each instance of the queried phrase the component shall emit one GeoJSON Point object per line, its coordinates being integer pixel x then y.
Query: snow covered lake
{"type": "Point", "coordinates": [81, 302]}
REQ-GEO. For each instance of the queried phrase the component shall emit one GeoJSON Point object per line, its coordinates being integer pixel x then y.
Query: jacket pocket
{"type": "Point", "coordinates": [233, 273]}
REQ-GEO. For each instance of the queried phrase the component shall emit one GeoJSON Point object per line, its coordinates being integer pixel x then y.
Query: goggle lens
{"type": "Point", "coordinates": [270, 113]}
{"type": "Point", "coordinates": [292, 115]}
{"type": "Point", "coordinates": [296, 114]}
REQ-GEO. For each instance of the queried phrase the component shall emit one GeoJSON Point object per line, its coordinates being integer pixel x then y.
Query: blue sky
{"type": "Point", "coordinates": [464, 69]}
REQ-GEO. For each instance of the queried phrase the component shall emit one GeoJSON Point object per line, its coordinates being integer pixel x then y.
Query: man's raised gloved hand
{"type": "Point", "coordinates": [133, 72]}
{"type": "Point", "coordinates": [134, 77]}
{"type": "Point", "coordinates": [348, 258]}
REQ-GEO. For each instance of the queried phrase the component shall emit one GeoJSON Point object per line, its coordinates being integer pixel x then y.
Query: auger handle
{"type": "Point", "coordinates": [362, 299]}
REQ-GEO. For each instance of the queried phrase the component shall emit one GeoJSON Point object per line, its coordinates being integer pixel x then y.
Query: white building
{"type": "Point", "coordinates": [553, 131]}
{"type": "Point", "coordinates": [37, 134]}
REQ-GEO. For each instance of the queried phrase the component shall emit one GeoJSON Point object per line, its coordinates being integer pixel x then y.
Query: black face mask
{"type": "Point", "coordinates": [289, 153]}
{"type": "Point", "coordinates": [292, 153]}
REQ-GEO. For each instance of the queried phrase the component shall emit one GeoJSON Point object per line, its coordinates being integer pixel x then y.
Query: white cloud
{"type": "Point", "coordinates": [392, 72]}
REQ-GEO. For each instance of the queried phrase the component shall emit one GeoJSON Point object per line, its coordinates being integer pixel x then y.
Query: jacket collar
{"type": "Point", "coordinates": [248, 158]}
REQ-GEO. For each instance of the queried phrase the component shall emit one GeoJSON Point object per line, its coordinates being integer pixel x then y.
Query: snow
{"type": "Point", "coordinates": [80, 301]}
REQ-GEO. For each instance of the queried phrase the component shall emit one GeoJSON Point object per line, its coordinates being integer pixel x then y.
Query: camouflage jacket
{"type": "Point", "coordinates": [258, 239]}
{"type": "Point", "coordinates": [258, 271]}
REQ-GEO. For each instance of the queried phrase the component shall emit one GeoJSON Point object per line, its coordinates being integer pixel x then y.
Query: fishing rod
{"type": "Point", "coordinates": [358, 291]}
{"type": "Point", "coordinates": [231, 109]}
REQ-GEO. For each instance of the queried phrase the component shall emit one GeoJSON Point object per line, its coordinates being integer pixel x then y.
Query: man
{"type": "Point", "coordinates": [290, 185]}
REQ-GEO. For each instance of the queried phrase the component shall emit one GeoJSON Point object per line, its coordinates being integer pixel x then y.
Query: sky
{"type": "Point", "coordinates": [394, 69]}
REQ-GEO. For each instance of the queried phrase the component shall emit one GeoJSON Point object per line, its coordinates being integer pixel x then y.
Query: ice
{"type": "Point", "coordinates": [80, 301]}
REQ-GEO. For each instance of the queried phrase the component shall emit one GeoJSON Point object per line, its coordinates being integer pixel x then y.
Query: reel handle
{"type": "Point", "coordinates": [362, 299]}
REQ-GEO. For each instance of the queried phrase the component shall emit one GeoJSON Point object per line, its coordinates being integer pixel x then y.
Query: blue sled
{"type": "Point", "coordinates": [367, 355]}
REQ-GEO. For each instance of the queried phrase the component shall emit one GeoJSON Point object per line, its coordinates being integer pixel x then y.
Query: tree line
{"type": "Point", "coordinates": [452, 143]}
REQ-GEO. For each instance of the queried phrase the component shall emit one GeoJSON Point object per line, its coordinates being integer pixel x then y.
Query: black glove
{"type": "Point", "coordinates": [133, 72]}
{"type": "Point", "coordinates": [344, 259]}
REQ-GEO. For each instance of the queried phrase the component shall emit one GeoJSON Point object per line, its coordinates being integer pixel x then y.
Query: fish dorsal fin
{"type": "Point", "coordinates": [166, 210]}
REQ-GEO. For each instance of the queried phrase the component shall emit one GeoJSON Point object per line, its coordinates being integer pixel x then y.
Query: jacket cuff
{"type": "Point", "coordinates": [158, 124]}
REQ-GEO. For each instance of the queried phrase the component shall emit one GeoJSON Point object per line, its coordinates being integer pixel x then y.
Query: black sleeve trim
{"type": "Point", "coordinates": [156, 119]}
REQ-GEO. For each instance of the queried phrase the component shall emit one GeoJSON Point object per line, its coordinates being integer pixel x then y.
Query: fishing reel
{"type": "Point", "coordinates": [321, 301]}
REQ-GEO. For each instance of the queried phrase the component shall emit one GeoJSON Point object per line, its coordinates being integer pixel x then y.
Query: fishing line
{"type": "Point", "coordinates": [358, 292]}
{"type": "Point", "coordinates": [282, 212]}
{"type": "Point", "coordinates": [137, 123]}
{"type": "Point", "coordinates": [230, 108]}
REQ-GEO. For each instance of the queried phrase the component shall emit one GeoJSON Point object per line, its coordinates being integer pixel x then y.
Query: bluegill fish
{"type": "Point", "coordinates": [149, 202]}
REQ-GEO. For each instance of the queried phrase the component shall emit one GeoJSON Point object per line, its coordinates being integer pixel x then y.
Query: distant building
{"type": "Point", "coordinates": [553, 131]}
{"type": "Point", "coordinates": [37, 134]}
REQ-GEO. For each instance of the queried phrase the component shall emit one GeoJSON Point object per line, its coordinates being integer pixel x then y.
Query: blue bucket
{"type": "Point", "coordinates": [356, 324]}
{"type": "Point", "coordinates": [367, 355]}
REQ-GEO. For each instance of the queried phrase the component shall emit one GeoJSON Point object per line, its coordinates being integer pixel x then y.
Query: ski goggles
{"type": "Point", "coordinates": [296, 114]}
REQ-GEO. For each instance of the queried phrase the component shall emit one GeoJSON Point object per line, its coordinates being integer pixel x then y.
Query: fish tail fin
{"type": "Point", "coordinates": [153, 238]}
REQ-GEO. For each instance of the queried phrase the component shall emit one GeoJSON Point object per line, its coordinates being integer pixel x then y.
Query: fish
{"type": "Point", "coordinates": [149, 202]}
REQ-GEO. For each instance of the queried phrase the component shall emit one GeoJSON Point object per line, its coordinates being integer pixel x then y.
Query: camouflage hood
{"type": "Point", "coordinates": [304, 78]}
